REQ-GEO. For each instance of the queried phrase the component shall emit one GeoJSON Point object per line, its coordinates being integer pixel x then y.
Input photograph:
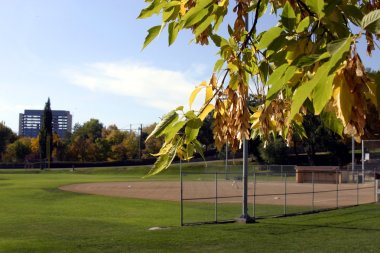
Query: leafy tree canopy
{"type": "Point", "coordinates": [307, 63]}
{"type": "Point", "coordinates": [6, 136]}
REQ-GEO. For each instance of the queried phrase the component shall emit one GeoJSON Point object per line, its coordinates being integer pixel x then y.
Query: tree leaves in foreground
{"type": "Point", "coordinates": [307, 63]}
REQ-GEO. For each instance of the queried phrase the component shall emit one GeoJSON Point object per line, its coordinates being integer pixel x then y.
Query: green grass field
{"type": "Point", "coordinates": [35, 216]}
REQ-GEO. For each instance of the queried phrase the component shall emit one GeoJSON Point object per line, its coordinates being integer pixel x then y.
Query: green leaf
{"type": "Point", "coordinates": [268, 37]}
{"type": "Point", "coordinates": [203, 25]}
{"type": "Point", "coordinates": [264, 71]}
{"type": "Point", "coordinates": [172, 4]}
{"type": "Point", "coordinates": [317, 6]}
{"type": "Point", "coordinates": [164, 149]}
{"type": "Point", "coordinates": [322, 93]}
{"type": "Point", "coordinates": [234, 82]}
{"type": "Point", "coordinates": [170, 13]}
{"type": "Point", "coordinates": [353, 13]}
{"type": "Point", "coordinates": [220, 12]}
{"type": "Point", "coordinates": [309, 60]}
{"type": "Point", "coordinates": [304, 24]}
{"type": "Point", "coordinates": [199, 149]}
{"type": "Point", "coordinates": [189, 151]}
{"type": "Point", "coordinates": [164, 161]}
{"type": "Point", "coordinates": [152, 33]}
{"type": "Point", "coordinates": [173, 30]}
{"type": "Point", "coordinates": [331, 121]}
{"type": "Point", "coordinates": [190, 115]}
{"type": "Point", "coordinates": [196, 18]}
{"type": "Point", "coordinates": [305, 90]}
{"type": "Point", "coordinates": [339, 29]}
{"type": "Point", "coordinates": [191, 134]}
{"type": "Point", "coordinates": [275, 51]}
{"type": "Point", "coordinates": [216, 39]}
{"type": "Point", "coordinates": [232, 67]}
{"type": "Point", "coordinates": [166, 121]}
{"type": "Point", "coordinates": [338, 49]}
{"type": "Point", "coordinates": [218, 65]}
{"type": "Point", "coordinates": [197, 13]}
{"type": "Point", "coordinates": [173, 130]}
{"type": "Point", "coordinates": [288, 17]}
{"type": "Point", "coordinates": [277, 74]}
{"type": "Point", "coordinates": [195, 123]}
{"type": "Point", "coordinates": [289, 73]}
{"type": "Point", "coordinates": [371, 21]}
{"type": "Point", "coordinates": [230, 30]}
{"type": "Point", "coordinates": [281, 82]}
{"type": "Point", "coordinates": [153, 8]}
{"type": "Point", "coordinates": [263, 7]}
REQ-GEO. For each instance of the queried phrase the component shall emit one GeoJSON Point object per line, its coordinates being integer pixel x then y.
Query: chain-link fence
{"type": "Point", "coordinates": [275, 190]}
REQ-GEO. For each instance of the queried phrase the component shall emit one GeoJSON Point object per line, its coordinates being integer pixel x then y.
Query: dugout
{"type": "Point", "coordinates": [321, 174]}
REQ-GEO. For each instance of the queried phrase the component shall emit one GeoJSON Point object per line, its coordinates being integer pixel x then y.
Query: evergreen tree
{"type": "Point", "coordinates": [45, 137]}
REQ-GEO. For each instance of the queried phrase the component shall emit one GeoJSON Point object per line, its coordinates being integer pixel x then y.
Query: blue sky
{"type": "Point", "coordinates": [86, 56]}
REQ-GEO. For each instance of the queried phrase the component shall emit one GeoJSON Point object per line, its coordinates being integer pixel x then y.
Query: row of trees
{"type": "Point", "coordinates": [91, 141]}
{"type": "Point", "coordinates": [94, 142]}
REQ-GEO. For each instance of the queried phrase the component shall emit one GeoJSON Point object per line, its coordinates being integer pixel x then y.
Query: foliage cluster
{"type": "Point", "coordinates": [308, 63]}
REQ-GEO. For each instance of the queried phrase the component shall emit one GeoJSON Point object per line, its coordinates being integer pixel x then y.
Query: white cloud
{"type": "Point", "coordinates": [151, 85]}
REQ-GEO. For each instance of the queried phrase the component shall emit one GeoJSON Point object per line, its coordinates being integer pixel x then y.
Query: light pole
{"type": "Point", "coordinates": [245, 218]}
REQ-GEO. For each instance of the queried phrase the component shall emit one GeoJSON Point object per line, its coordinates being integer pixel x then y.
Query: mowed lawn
{"type": "Point", "coordinates": [35, 216]}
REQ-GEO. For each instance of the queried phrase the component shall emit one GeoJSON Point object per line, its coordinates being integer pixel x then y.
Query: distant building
{"type": "Point", "coordinates": [31, 120]}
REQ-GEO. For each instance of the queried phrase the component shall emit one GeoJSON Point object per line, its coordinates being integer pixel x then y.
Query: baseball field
{"type": "Point", "coordinates": [37, 214]}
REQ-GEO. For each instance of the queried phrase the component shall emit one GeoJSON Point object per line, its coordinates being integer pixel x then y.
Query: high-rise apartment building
{"type": "Point", "coordinates": [31, 120]}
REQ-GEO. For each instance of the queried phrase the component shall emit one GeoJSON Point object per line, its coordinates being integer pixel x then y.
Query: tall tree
{"type": "Point", "coordinates": [46, 134]}
{"type": "Point", "coordinates": [307, 62]}
{"type": "Point", "coordinates": [18, 150]}
{"type": "Point", "coordinates": [6, 137]}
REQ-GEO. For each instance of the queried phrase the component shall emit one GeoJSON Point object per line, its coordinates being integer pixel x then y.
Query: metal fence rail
{"type": "Point", "coordinates": [216, 197]}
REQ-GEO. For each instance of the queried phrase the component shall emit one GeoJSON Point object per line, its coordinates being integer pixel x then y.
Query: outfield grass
{"type": "Point", "coordinates": [35, 216]}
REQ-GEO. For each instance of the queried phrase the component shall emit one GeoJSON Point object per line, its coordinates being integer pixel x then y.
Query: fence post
{"type": "Point", "coordinates": [254, 195]}
{"type": "Point", "coordinates": [180, 171]}
{"type": "Point", "coordinates": [312, 181]}
{"type": "Point", "coordinates": [216, 197]}
{"type": "Point", "coordinates": [374, 182]}
{"type": "Point", "coordinates": [357, 187]}
{"type": "Point", "coordinates": [286, 177]}
{"type": "Point", "coordinates": [337, 188]}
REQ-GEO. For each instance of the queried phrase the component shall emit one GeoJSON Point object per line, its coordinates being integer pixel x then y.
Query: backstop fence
{"type": "Point", "coordinates": [215, 195]}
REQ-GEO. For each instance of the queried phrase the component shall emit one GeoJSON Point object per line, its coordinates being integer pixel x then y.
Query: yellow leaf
{"type": "Point", "coordinates": [222, 3]}
{"type": "Point", "coordinates": [164, 149]}
{"type": "Point", "coordinates": [182, 10]}
{"type": "Point", "coordinates": [257, 114]}
{"type": "Point", "coordinates": [255, 124]}
{"type": "Point", "coordinates": [203, 84]}
{"type": "Point", "coordinates": [298, 118]}
{"type": "Point", "coordinates": [206, 111]}
{"type": "Point", "coordinates": [209, 94]}
{"type": "Point", "coordinates": [343, 100]}
{"type": "Point", "coordinates": [193, 95]}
